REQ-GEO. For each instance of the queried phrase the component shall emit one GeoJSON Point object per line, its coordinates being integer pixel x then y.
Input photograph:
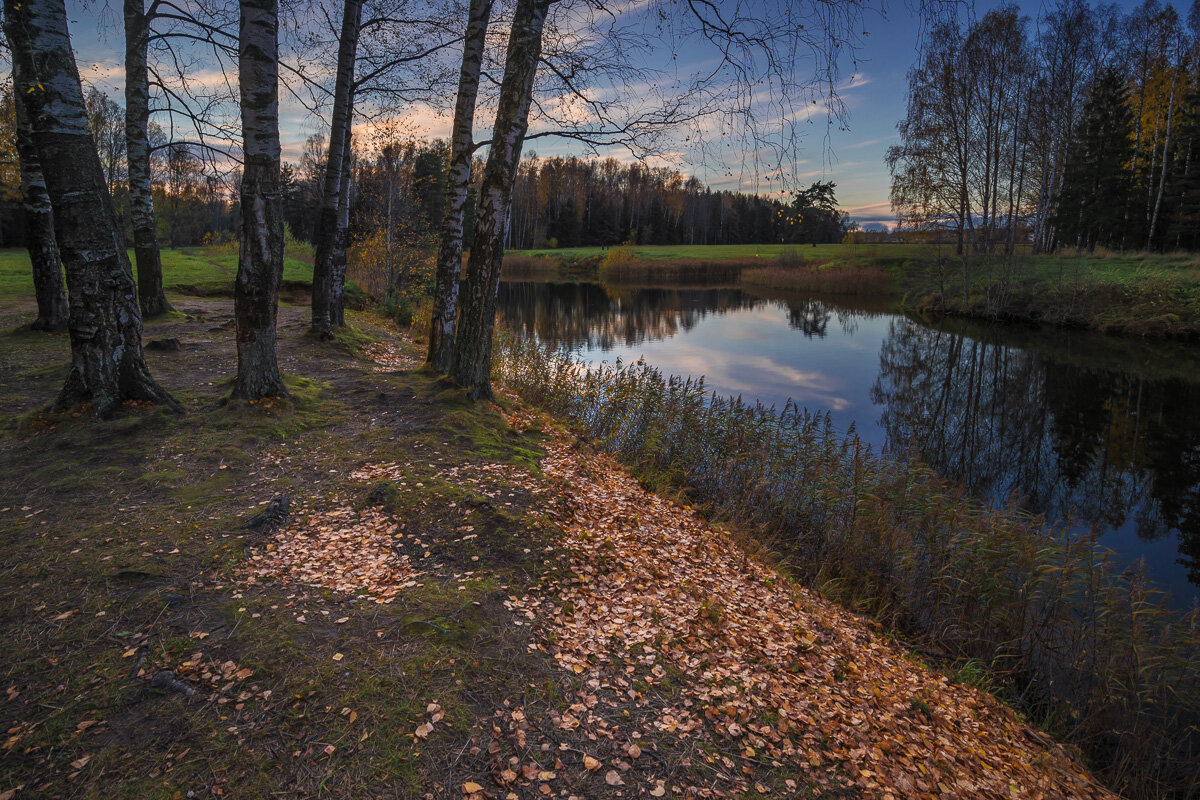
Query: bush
{"type": "Point", "coordinates": [398, 307]}
{"type": "Point", "coordinates": [354, 297]}
{"type": "Point", "coordinates": [789, 258]}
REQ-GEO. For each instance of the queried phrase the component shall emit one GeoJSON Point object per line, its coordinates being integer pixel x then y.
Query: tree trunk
{"type": "Point", "coordinates": [39, 229]}
{"type": "Point", "coordinates": [341, 241]}
{"type": "Point", "coordinates": [260, 260]}
{"type": "Point", "coordinates": [473, 340]}
{"type": "Point", "coordinates": [458, 181]}
{"type": "Point", "coordinates": [107, 365]}
{"type": "Point", "coordinates": [323, 312]}
{"type": "Point", "coordinates": [151, 296]}
{"type": "Point", "coordinates": [1162, 183]}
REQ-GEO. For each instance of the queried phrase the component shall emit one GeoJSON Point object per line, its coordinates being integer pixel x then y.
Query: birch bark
{"type": "Point", "coordinates": [473, 338]}
{"type": "Point", "coordinates": [260, 259]}
{"type": "Point", "coordinates": [341, 240]}
{"type": "Point", "coordinates": [151, 296]}
{"type": "Point", "coordinates": [107, 365]}
{"type": "Point", "coordinates": [39, 230]}
{"type": "Point", "coordinates": [324, 263]}
{"type": "Point", "coordinates": [449, 263]}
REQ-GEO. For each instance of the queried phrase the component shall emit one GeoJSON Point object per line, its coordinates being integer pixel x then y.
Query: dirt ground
{"type": "Point", "coordinates": [440, 613]}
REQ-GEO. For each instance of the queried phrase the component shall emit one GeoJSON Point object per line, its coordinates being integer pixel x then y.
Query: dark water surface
{"type": "Point", "coordinates": [1098, 430]}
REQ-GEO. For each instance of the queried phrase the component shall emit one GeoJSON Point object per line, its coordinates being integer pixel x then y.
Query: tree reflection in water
{"type": "Point", "coordinates": [1103, 447]}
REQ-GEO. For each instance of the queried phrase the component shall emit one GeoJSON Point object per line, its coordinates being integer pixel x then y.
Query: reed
{"type": "Point", "coordinates": [622, 269]}
{"type": "Point", "coordinates": [821, 279]}
{"type": "Point", "coordinates": [1091, 653]}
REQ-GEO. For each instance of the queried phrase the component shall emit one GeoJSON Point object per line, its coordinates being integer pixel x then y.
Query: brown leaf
{"type": "Point", "coordinates": [590, 764]}
{"type": "Point", "coordinates": [613, 778]}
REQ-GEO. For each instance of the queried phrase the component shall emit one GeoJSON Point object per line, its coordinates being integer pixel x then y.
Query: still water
{"type": "Point", "coordinates": [1098, 431]}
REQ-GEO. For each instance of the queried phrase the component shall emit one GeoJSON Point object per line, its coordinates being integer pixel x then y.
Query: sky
{"type": "Point", "coordinates": [874, 94]}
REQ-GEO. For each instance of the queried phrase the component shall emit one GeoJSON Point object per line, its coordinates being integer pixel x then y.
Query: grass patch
{"type": "Point", "coordinates": [204, 271]}
{"type": "Point", "coordinates": [121, 539]}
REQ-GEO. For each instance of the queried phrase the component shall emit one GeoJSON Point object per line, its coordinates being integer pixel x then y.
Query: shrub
{"type": "Point", "coordinates": [398, 307]}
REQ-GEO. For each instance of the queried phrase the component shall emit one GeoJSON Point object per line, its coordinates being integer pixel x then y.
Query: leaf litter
{"type": "Point", "coordinates": [668, 633]}
{"type": "Point", "coordinates": [781, 681]}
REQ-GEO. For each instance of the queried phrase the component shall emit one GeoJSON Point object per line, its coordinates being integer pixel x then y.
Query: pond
{"type": "Point", "coordinates": [1099, 432]}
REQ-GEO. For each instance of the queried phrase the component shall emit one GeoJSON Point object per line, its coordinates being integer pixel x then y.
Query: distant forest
{"type": "Point", "coordinates": [397, 191]}
{"type": "Point", "coordinates": [1080, 131]}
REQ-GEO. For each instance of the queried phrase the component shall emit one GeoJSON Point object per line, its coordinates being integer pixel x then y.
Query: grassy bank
{"type": "Point", "coordinates": [1147, 295]}
{"type": "Point", "coordinates": [199, 271]}
{"type": "Point", "coordinates": [1139, 294]}
{"type": "Point", "coordinates": [1091, 653]}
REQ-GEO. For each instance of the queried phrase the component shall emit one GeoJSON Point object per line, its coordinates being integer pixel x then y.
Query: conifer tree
{"type": "Point", "coordinates": [1096, 181]}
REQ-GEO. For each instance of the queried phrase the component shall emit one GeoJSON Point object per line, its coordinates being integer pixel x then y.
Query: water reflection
{"type": "Point", "coordinates": [1117, 449]}
{"type": "Point", "coordinates": [1098, 430]}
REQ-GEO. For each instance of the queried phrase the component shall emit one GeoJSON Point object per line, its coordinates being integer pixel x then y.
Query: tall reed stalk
{"type": "Point", "coordinates": [1088, 651]}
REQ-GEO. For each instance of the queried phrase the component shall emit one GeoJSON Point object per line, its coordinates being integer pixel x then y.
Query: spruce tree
{"type": "Point", "coordinates": [1095, 182]}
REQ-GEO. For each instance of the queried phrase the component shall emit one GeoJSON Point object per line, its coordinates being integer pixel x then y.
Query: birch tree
{"type": "Point", "coordinates": [151, 296]}
{"type": "Point", "coordinates": [328, 227]}
{"type": "Point", "coordinates": [107, 365]}
{"type": "Point", "coordinates": [472, 361]}
{"type": "Point", "coordinates": [39, 229]}
{"type": "Point", "coordinates": [449, 260]}
{"type": "Point", "coordinates": [260, 257]}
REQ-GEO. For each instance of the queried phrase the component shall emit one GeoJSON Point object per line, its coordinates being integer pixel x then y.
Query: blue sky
{"type": "Point", "coordinates": [853, 158]}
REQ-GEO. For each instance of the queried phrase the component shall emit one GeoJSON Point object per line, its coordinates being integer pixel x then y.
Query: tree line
{"type": "Point", "coordinates": [1081, 131]}
{"type": "Point", "coordinates": [357, 57]}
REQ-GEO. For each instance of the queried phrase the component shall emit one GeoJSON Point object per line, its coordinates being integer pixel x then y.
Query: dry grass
{"type": "Point", "coordinates": [821, 279]}
{"type": "Point", "coordinates": [679, 270]}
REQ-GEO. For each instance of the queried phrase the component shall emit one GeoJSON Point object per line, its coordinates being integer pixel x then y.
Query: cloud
{"type": "Point", "coordinates": [872, 213]}
{"type": "Point", "coordinates": [867, 143]}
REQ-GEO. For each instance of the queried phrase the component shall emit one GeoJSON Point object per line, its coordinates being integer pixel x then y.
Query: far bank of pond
{"type": "Point", "coordinates": [1095, 430]}
{"type": "Point", "coordinates": [1149, 295]}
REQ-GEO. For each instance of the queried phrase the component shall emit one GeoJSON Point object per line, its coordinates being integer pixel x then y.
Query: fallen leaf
{"type": "Point", "coordinates": [471, 787]}
{"type": "Point", "coordinates": [590, 764]}
{"type": "Point", "coordinates": [423, 730]}
{"type": "Point", "coordinates": [80, 763]}
{"type": "Point", "coordinates": [338, 656]}
{"type": "Point", "coordinates": [613, 778]}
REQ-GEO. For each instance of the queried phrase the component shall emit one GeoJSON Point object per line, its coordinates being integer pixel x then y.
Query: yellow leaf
{"type": "Point", "coordinates": [471, 787]}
